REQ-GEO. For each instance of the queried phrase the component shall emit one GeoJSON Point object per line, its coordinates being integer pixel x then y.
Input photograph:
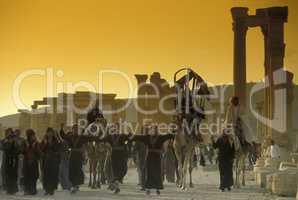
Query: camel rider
{"type": "Point", "coordinates": [94, 113]}
{"type": "Point", "coordinates": [191, 113]}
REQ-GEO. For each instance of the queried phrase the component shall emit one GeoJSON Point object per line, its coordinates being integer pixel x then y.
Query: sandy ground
{"type": "Point", "coordinates": [206, 188]}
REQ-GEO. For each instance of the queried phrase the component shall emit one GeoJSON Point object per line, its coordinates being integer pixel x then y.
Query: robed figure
{"type": "Point", "coordinates": [119, 156]}
{"type": "Point", "coordinates": [226, 155]}
{"type": "Point", "coordinates": [11, 150]}
{"type": "Point", "coordinates": [76, 143]}
{"type": "Point", "coordinates": [94, 113]}
{"type": "Point", "coordinates": [50, 148]}
{"type": "Point", "coordinates": [32, 155]}
{"type": "Point", "coordinates": [154, 174]}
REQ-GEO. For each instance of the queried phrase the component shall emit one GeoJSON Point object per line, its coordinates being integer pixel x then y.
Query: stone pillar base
{"type": "Point", "coordinates": [261, 176]}
{"type": "Point", "coordinates": [284, 184]}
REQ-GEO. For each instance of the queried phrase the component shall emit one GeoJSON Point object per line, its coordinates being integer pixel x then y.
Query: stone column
{"type": "Point", "coordinates": [239, 15]}
{"type": "Point", "coordinates": [274, 52]}
{"type": "Point", "coordinates": [260, 131]}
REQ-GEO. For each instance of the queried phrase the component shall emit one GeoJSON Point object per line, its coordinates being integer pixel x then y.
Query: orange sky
{"type": "Point", "coordinates": [81, 37]}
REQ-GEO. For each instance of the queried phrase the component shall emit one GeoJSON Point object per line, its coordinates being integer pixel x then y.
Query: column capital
{"type": "Point", "coordinates": [279, 13]}
{"type": "Point", "coordinates": [239, 12]}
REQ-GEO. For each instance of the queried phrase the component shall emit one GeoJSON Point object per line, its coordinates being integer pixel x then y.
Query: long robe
{"type": "Point", "coordinates": [119, 155]}
{"type": "Point", "coordinates": [140, 153]}
{"type": "Point", "coordinates": [31, 167]}
{"type": "Point", "coordinates": [170, 164]}
{"type": "Point", "coordinates": [21, 143]}
{"type": "Point", "coordinates": [50, 166]}
{"type": "Point", "coordinates": [11, 161]}
{"type": "Point", "coordinates": [76, 143]}
{"type": "Point", "coordinates": [226, 154]}
{"type": "Point", "coordinates": [153, 159]}
{"type": "Point", "coordinates": [64, 166]}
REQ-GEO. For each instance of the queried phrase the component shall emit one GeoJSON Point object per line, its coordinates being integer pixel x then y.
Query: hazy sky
{"type": "Point", "coordinates": [81, 37]}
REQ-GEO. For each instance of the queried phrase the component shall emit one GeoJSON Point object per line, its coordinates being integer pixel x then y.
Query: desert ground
{"type": "Point", "coordinates": [206, 188]}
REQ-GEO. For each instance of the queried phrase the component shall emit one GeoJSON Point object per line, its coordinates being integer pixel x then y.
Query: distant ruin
{"type": "Point", "coordinates": [271, 21]}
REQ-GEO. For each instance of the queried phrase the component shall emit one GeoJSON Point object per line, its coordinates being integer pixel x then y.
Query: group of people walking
{"type": "Point", "coordinates": [59, 157]}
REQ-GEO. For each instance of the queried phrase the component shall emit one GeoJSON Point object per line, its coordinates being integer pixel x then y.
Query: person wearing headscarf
{"type": "Point", "coordinates": [64, 163]}
{"type": "Point", "coordinates": [3, 173]}
{"type": "Point", "coordinates": [154, 143]}
{"type": "Point", "coordinates": [50, 148]}
{"type": "Point", "coordinates": [226, 155]}
{"type": "Point", "coordinates": [21, 143]}
{"type": "Point", "coordinates": [11, 160]}
{"type": "Point", "coordinates": [31, 158]}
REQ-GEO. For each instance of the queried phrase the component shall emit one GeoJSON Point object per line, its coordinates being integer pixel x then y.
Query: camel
{"type": "Point", "coordinates": [242, 149]}
{"type": "Point", "coordinates": [184, 149]}
{"type": "Point", "coordinates": [241, 153]}
{"type": "Point", "coordinates": [189, 114]}
{"type": "Point", "coordinates": [97, 153]}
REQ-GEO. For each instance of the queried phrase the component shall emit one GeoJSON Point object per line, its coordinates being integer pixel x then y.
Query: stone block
{"type": "Point", "coordinates": [284, 184]}
{"type": "Point", "coordinates": [261, 176]}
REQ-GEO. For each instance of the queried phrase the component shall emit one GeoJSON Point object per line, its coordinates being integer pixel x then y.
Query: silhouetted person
{"type": "Point", "coordinates": [119, 156]}
{"type": "Point", "coordinates": [64, 165]}
{"type": "Point", "coordinates": [21, 143]}
{"type": "Point", "coordinates": [12, 150]}
{"type": "Point", "coordinates": [226, 155]}
{"type": "Point", "coordinates": [50, 148]}
{"type": "Point", "coordinates": [32, 155]}
{"type": "Point", "coordinates": [94, 113]}
{"type": "Point", "coordinates": [154, 143]}
{"type": "Point", "coordinates": [3, 173]}
{"type": "Point", "coordinates": [76, 143]}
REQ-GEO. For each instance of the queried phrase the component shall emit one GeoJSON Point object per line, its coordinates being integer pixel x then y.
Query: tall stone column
{"type": "Point", "coordinates": [240, 29]}
{"type": "Point", "coordinates": [274, 59]}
